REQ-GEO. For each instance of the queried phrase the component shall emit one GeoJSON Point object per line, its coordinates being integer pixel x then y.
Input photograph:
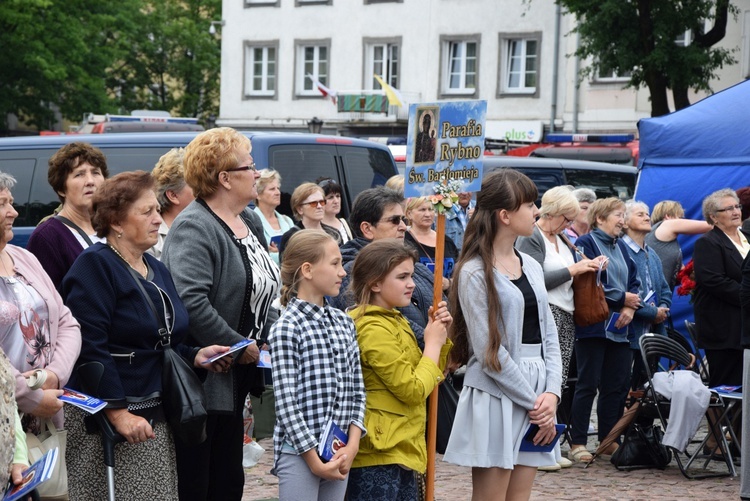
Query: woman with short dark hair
{"type": "Point", "coordinates": [75, 172]}
{"type": "Point", "coordinates": [332, 192]}
{"type": "Point", "coordinates": [602, 350]}
{"type": "Point", "coordinates": [105, 291]}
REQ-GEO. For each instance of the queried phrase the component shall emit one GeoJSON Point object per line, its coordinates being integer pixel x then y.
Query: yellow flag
{"type": "Point", "coordinates": [393, 95]}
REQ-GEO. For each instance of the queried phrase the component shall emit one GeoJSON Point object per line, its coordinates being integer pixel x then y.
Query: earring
{"type": "Point", "coordinates": [119, 235]}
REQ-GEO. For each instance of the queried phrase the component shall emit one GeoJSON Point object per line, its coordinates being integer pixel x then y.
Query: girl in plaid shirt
{"type": "Point", "coordinates": [316, 372]}
{"type": "Point", "coordinates": [398, 375]}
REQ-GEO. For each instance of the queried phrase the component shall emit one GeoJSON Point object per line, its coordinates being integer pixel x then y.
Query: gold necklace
{"type": "Point", "coordinates": [145, 267]}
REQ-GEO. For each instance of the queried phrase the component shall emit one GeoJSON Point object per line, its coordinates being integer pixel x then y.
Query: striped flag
{"type": "Point", "coordinates": [330, 93]}
{"type": "Point", "coordinates": [394, 96]}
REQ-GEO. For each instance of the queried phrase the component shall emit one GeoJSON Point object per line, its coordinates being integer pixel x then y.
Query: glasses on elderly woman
{"type": "Point", "coordinates": [250, 167]}
{"type": "Point", "coordinates": [315, 203]}
{"type": "Point", "coordinates": [730, 208]}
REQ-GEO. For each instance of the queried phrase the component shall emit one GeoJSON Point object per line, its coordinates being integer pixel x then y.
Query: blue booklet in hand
{"type": "Point", "coordinates": [527, 444]}
{"type": "Point", "coordinates": [37, 473]}
{"type": "Point", "coordinates": [611, 325]}
{"type": "Point", "coordinates": [332, 439]}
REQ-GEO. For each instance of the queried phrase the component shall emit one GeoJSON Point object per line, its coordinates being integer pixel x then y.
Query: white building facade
{"type": "Point", "coordinates": [515, 55]}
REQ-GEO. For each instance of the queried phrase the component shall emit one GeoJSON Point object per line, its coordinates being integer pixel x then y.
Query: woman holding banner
{"type": "Point", "coordinates": [503, 328]}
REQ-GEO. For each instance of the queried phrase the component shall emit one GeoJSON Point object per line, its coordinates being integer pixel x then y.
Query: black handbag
{"type": "Point", "coordinates": [642, 448]}
{"type": "Point", "coordinates": [182, 395]}
{"type": "Point", "coordinates": [447, 404]}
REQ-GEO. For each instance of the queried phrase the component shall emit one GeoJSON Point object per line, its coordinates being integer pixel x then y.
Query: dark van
{"type": "Point", "coordinates": [355, 164]}
{"type": "Point", "coordinates": [607, 180]}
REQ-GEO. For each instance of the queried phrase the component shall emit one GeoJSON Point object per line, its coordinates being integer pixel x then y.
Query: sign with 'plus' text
{"type": "Point", "coordinates": [445, 144]}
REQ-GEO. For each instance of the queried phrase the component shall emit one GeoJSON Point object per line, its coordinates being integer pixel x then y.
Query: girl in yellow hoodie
{"type": "Point", "coordinates": [398, 376]}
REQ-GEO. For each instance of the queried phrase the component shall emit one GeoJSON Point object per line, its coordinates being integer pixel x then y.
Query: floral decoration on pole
{"type": "Point", "coordinates": [446, 194]}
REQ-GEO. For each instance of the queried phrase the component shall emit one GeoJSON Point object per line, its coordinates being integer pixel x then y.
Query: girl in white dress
{"type": "Point", "coordinates": [504, 331]}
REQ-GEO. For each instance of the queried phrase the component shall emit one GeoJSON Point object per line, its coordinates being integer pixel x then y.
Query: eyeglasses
{"type": "Point", "coordinates": [395, 220]}
{"type": "Point", "coordinates": [731, 207]}
{"type": "Point", "coordinates": [315, 203]}
{"type": "Point", "coordinates": [567, 221]}
{"type": "Point", "coordinates": [250, 167]}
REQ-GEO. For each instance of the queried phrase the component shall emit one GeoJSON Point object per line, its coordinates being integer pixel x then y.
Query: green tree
{"type": "Point", "coordinates": [637, 37]}
{"type": "Point", "coordinates": [81, 56]}
{"type": "Point", "coordinates": [173, 63]}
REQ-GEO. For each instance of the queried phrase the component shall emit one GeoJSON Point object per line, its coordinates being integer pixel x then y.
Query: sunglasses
{"type": "Point", "coordinates": [314, 204]}
{"type": "Point", "coordinates": [395, 220]}
{"type": "Point", "coordinates": [250, 167]}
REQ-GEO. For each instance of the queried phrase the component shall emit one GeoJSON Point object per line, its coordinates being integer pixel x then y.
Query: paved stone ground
{"type": "Point", "coordinates": [600, 481]}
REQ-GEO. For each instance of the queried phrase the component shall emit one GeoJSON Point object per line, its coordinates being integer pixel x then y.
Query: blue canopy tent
{"type": "Point", "coordinates": [691, 153]}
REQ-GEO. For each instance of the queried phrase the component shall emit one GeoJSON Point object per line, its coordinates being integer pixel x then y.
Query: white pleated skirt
{"type": "Point", "coordinates": [487, 431]}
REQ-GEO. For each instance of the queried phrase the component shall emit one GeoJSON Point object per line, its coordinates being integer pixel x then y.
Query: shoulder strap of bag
{"type": "Point", "coordinates": [68, 222]}
{"type": "Point", "coordinates": [575, 250]}
{"type": "Point", "coordinates": [163, 331]}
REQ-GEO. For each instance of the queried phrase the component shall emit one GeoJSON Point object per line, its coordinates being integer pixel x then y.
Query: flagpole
{"type": "Point", "coordinates": [437, 296]}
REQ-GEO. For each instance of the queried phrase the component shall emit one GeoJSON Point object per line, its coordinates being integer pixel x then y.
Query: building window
{"type": "Point", "coordinates": [606, 74]}
{"type": "Point", "coordinates": [299, 3]}
{"type": "Point", "coordinates": [312, 59]}
{"type": "Point", "coordinates": [460, 63]}
{"type": "Point", "coordinates": [260, 69]}
{"type": "Point", "coordinates": [261, 3]}
{"type": "Point", "coordinates": [383, 1]}
{"type": "Point", "coordinates": [521, 75]}
{"type": "Point", "coordinates": [382, 58]}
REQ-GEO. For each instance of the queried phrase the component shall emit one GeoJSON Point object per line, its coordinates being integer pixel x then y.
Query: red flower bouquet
{"type": "Point", "coordinates": [686, 280]}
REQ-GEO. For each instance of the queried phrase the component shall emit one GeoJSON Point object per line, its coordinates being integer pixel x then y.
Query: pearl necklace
{"type": "Point", "coordinates": [145, 266]}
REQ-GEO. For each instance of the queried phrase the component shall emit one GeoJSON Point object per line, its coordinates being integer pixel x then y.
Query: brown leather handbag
{"type": "Point", "coordinates": [588, 299]}
{"type": "Point", "coordinates": [588, 295]}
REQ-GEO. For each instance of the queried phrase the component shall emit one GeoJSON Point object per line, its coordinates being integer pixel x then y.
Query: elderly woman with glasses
{"type": "Point", "coordinates": [551, 248]}
{"type": "Point", "coordinates": [217, 254]}
{"type": "Point", "coordinates": [717, 260]}
{"type": "Point", "coordinates": [603, 354]}
{"type": "Point", "coordinates": [308, 208]}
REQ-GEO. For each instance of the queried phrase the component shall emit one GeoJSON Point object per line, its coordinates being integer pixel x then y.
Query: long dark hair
{"type": "Point", "coordinates": [505, 189]}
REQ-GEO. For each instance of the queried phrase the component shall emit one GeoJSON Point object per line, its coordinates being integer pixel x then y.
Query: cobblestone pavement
{"type": "Point", "coordinates": [599, 482]}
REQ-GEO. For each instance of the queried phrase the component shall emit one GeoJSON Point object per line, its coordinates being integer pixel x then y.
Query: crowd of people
{"type": "Point", "coordinates": [345, 307]}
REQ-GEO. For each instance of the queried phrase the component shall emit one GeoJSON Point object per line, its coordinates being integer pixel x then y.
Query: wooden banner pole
{"type": "Point", "coordinates": [437, 296]}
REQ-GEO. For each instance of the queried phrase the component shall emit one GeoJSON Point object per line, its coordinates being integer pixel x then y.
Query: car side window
{"type": "Point", "coordinates": [605, 184]}
{"type": "Point", "coordinates": [364, 168]}
{"type": "Point", "coordinates": [23, 170]}
{"type": "Point", "coordinates": [299, 163]}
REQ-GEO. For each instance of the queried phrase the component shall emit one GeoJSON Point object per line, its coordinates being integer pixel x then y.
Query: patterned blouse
{"type": "Point", "coordinates": [24, 324]}
{"type": "Point", "coordinates": [316, 375]}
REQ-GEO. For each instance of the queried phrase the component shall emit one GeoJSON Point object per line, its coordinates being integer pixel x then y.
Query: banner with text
{"type": "Point", "coordinates": [445, 143]}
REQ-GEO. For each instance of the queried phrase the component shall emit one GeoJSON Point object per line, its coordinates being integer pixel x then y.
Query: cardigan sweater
{"type": "Point", "coordinates": [398, 379]}
{"type": "Point", "coordinates": [536, 247]}
{"type": "Point", "coordinates": [56, 248]}
{"type": "Point", "coordinates": [208, 269]}
{"type": "Point", "coordinates": [510, 381]}
{"type": "Point", "coordinates": [118, 326]}
{"type": "Point", "coordinates": [64, 330]}
{"type": "Point", "coordinates": [598, 243]}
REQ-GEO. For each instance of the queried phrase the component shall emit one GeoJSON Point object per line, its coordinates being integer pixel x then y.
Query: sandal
{"type": "Point", "coordinates": [607, 454]}
{"type": "Point", "coordinates": [580, 454]}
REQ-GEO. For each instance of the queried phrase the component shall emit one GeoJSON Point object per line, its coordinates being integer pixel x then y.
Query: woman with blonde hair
{"type": "Point", "coordinates": [274, 223]}
{"type": "Point", "coordinates": [667, 223]}
{"type": "Point", "coordinates": [423, 238]}
{"type": "Point", "coordinates": [308, 208]}
{"type": "Point", "coordinates": [551, 248]}
{"type": "Point", "coordinates": [172, 192]}
{"type": "Point", "coordinates": [218, 257]}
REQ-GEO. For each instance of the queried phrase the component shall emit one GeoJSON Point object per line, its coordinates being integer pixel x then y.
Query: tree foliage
{"type": "Point", "coordinates": [81, 56]}
{"type": "Point", "coordinates": [638, 37]}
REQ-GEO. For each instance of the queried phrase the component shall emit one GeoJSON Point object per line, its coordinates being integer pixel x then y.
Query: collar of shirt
{"type": "Point", "coordinates": [632, 244]}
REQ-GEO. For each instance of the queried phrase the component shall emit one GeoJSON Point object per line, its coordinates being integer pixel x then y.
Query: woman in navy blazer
{"type": "Point", "coordinates": [718, 259]}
